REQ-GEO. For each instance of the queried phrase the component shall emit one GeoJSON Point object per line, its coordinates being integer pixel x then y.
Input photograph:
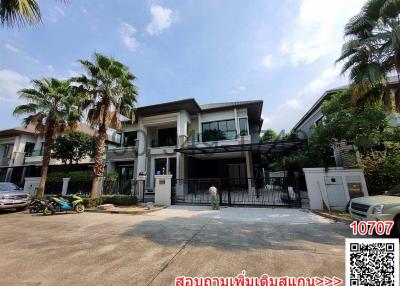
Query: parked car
{"type": "Point", "coordinates": [13, 197]}
{"type": "Point", "coordinates": [377, 208]}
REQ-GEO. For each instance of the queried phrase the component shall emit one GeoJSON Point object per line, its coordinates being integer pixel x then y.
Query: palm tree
{"type": "Point", "coordinates": [50, 110]}
{"type": "Point", "coordinates": [19, 12]}
{"type": "Point", "coordinates": [109, 93]}
{"type": "Point", "coordinates": [372, 52]}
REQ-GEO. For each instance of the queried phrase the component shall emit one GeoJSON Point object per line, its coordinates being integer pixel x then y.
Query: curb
{"type": "Point", "coordinates": [124, 211]}
{"type": "Point", "coordinates": [333, 217]}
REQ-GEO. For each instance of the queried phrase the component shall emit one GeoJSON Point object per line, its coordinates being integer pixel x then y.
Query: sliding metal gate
{"type": "Point", "coordinates": [238, 191]}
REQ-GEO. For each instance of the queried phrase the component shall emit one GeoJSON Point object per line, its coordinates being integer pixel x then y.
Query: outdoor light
{"type": "Point", "coordinates": [378, 209]}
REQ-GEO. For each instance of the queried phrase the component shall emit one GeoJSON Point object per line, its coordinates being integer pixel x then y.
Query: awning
{"type": "Point", "coordinates": [275, 147]}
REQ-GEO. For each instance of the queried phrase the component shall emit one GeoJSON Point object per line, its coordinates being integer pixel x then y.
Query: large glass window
{"type": "Point", "coordinates": [29, 146]}
{"type": "Point", "coordinates": [243, 126]}
{"type": "Point", "coordinates": [129, 138]}
{"type": "Point", "coordinates": [219, 130]}
{"type": "Point", "coordinates": [166, 137]}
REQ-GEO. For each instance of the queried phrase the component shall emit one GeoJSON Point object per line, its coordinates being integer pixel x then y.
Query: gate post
{"type": "Point", "coordinates": [163, 190]}
{"type": "Point", "coordinates": [65, 186]}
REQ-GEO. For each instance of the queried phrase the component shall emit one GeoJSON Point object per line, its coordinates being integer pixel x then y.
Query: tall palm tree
{"type": "Point", "coordinates": [372, 52]}
{"type": "Point", "coordinates": [109, 93]}
{"type": "Point", "coordinates": [50, 109]}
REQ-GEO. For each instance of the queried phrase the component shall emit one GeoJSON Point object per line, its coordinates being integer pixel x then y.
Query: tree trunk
{"type": "Point", "coordinates": [48, 146]}
{"type": "Point", "coordinates": [98, 167]}
{"type": "Point", "coordinates": [387, 102]}
{"type": "Point", "coordinates": [397, 99]}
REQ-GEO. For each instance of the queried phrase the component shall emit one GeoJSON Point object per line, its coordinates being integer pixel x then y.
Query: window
{"type": "Point", "coordinates": [29, 146]}
{"type": "Point", "coordinates": [129, 138]}
{"type": "Point", "coordinates": [243, 126]}
{"type": "Point", "coordinates": [219, 130]}
{"type": "Point", "coordinates": [166, 137]}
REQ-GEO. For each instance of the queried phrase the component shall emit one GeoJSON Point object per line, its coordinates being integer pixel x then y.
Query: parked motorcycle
{"type": "Point", "coordinates": [37, 206]}
{"type": "Point", "coordinates": [59, 204]}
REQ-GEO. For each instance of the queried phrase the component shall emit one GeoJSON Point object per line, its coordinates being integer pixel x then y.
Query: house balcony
{"type": "Point", "coordinates": [219, 138]}
{"type": "Point", "coordinates": [122, 154]}
{"type": "Point", "coordinates": [5, 161]}
{"type": "Point", "coordinates": [34, 157]}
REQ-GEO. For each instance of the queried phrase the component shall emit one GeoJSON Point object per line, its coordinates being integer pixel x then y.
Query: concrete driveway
{"type": "Point", "coordinates": [152, 249]}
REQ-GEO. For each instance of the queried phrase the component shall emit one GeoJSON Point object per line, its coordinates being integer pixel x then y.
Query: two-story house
{"type": "Point", "coordinates": [189, 141]}
{"type": "Point", "coordinates": [21, 154]}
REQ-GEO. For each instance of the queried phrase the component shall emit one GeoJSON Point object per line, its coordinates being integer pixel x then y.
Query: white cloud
{"type": "Point", "coordinates": [10, 82]}
{"type": "Point", "coordinates": [267, 61]}
{"type": "Point", "coordinates": [316, 31]}
{"type": "Point", "coordinates": [50, 68]}
{"type": "Point", "coordinates": [12, 48]}
{"type": "Point", "coordinates": [317, 85]}
{"type": "Point", "coordinates": [127, 32]}
{"type": "Point", "coordinates": [161, 19]}
{"type": "Point", "coordinates": [22, 52]}
{"type": "Point", "coordinates": [55, 14]}
{"type": "Point", "coordinates": [238, 89]}
{"type": "Point", "coordinates": [287, 114]}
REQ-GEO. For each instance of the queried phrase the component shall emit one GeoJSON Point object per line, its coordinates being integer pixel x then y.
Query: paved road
{"type": "Point", "coordinates": [152, 249]}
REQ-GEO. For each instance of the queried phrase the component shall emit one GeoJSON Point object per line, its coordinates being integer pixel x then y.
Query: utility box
{"type": "Point", "coordinates": [334, 187]}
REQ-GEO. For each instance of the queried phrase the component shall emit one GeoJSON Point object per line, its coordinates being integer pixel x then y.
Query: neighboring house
{"type": "Point", "coordinates": [314, 115]}
{"type": "Point", "coordinates": [21, 151]}
{"type": "Point", "coordinates": [188, 140]}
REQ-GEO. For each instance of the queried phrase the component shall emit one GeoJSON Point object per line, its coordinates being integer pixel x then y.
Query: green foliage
{"type": "Point", "coordinates": [112, 176]}
{"type": "Point", "coordinates": [73, 147]}
{"type": "Point", "coordinates": [74, 175]}
{"type": "Point", "coordinates": [268, 136]}
{"type": "Point", "coordinates": [364, 126]}
{"type": "Point", "coordinates": [19, 12]}
{"type": "Point", "coordinates": [372, 51]}
{"type": "Point", "coordinates": [120, 200]}
{"type": "Point", "coordinates": [382, 169]}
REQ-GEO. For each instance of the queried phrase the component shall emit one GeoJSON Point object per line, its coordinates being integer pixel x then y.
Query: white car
{"type": "Point", "coordinates": [12, 197]}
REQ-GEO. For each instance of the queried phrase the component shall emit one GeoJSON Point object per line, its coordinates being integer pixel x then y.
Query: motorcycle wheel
{"type": "Point", "coordinates": [79, 208]}
{"type": "Point", "coordinates": [47, 211]}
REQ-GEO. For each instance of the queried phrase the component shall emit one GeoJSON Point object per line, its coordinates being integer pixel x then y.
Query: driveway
{"type": "Point", "coordinates": [152, 249]}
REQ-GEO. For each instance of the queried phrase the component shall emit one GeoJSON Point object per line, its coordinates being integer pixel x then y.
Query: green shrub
{"type": "Point", "coordinates": [74, 175]}
{"type": "Point", "coordinates": [382, 170]}
{"type": "Point", "coordinates": [112, 176]}
{"type": "Point", "coordinates": [119, 200]}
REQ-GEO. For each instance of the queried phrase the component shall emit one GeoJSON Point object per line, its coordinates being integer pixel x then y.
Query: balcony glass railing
{"type": "Point", "coordinates": [212, 135]}
{"type": "Point", "coordinates": [163, 142]}
{"type": "Point", "coordinates": [34, 153]}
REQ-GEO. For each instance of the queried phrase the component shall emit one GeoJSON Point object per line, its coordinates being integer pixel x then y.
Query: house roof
{"type": "Point", "coordinates": [30, 130]}
{"type": "Point", "coordinates": [189, 104]}
{"type": "Point", "coordinates": [192, 107]}
{"type": "Point", "coordinates": [325, 96]}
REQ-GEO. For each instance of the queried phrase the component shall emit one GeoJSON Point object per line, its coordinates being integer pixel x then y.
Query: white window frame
{"type": "Point", "coordinates": [248, 127]}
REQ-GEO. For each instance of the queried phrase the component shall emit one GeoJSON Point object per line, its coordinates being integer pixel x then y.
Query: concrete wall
{"type": "Point", "coordinates": [331, 187]}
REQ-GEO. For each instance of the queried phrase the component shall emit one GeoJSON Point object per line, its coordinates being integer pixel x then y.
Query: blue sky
{"type": "Point", "coordinates": [280, 51]}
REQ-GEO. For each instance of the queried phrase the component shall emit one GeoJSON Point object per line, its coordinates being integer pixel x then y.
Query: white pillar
{"type": "Point", "coordinates": [249, 171]}
{"type": "Point", "coordinates": [65, 186]}
{"type": "Point", "coordinates": [163, 190]}
{"type": "Point", "coordinates": [140, 182]}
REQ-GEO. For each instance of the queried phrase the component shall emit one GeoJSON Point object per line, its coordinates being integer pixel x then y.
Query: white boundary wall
{"type": "Point", "coordinates": [319, 183]}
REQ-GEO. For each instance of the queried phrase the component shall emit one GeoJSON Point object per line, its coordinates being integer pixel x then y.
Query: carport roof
{"type": "Point", "coordinates": [275, 147]}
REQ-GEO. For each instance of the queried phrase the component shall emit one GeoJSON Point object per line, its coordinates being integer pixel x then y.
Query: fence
{"type": "Point", "coordinates": [280, 191]}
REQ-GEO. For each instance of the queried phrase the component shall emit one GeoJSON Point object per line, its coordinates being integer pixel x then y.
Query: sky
{"type": "Point", "coordinates": [280, 51]}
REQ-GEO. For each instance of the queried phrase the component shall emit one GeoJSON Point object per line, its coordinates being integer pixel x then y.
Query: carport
{"type": "Point", "coordinates": [236, 171]}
